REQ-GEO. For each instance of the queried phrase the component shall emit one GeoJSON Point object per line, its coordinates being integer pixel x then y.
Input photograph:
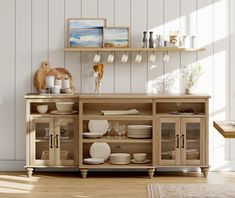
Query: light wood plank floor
{"type": "Point", "coordinates": [98, 184]}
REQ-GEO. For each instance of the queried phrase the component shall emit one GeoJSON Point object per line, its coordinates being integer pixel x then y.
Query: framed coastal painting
{"type": "Point", "coordinates": [86, 32]}
{"type": "Point", "coordinates": [115, 37]}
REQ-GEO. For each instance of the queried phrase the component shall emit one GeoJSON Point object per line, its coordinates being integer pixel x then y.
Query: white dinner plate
{"type": "Point", "coordinates": [94, 160]}
{"type": "Point", "coordinates": [98, 126]}
{"type": "Point", "coordinates": [100, 150]}
{"type": "Point", "coordinates": [139, 127]}
{"type": "Point", "coordinates": [140, 162]}
{"type": "Point", "coordinates": [92, 135]}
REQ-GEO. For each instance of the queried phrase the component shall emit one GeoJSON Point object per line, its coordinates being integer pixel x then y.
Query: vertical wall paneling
{"type": "Point", "coordinates": [205, 39]}
{"type": "Point", "coordinates": [155, 24]}
{"type": "Point", "coordinates": [232, 72]}
{"type": "Point", "coordinates": [7, 80]}
{"type": "Point", "coordinates": [56, 33]}
{"type": "Point", "coordinates": [188, 25]}
{"type": "Point", "coordinates": [105, 10]}
{"type": "Point", "coordinates": [122, 70]}
{"type": "Point", "coordinates": [172, 68]}
{"type": "Point", "coordinates": [138, 25]}
{"type": "Point", "coordinates": [23, 79]}
{"type": "Point", "coordinates": [221, 71]}
{"type": "Point", "coordinates": [89, 10]}
{"type": "Point", "coordinates": [73, 60]}
{"type": "Point", "coordinates": [39, 34]}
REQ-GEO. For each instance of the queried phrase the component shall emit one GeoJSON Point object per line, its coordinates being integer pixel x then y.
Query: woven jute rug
{"type": "Point", "coordinates": [191, 190]}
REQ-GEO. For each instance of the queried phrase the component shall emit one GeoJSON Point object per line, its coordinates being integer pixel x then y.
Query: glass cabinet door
{"type": "Point", "coordinates": [65, 147]}
{"type": "Point", "coordinates": [169, 141]}
{"type": "Point", "coordinates": [41, 137]}
{"type": "Point", "coordinates": [191, 140]}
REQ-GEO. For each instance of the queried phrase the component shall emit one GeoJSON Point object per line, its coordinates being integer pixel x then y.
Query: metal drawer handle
{"type": "Point", "coordinates": [182, 141]}
{"type": "Point", "coordinates": [178, 141]}
{"type": "Point", "coordinates": [57, 141]}
{"type": "Point", "coordinates": [51, 140]}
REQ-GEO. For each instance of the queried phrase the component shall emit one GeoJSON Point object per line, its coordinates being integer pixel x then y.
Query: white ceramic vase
{"type": "Point", "coordinates": [190, 90]}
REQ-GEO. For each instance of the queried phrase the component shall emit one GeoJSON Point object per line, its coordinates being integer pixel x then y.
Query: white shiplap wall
{"type": "Point", "coordinates": [36, 30]}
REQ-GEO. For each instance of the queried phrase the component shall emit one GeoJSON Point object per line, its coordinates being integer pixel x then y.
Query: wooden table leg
{"type": "Point", "coordinates": [151, 172]}
{"type": "Point", "coordinates": [84, 172]}
{"type": "Point", "coordinates": [205, 171]}
{"type": "Point", "coordinates": [29, 172]}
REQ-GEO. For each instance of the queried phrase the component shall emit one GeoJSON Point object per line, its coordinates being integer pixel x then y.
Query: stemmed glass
{"type": "Point", "coordinates": [117, 129]}
{"type": "Point", "coordinates": [110, 128]}
{"type": "Point", "coordinates": [123, 129]}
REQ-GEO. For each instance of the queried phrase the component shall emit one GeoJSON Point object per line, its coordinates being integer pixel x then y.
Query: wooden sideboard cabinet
{"type": "Point", "coordinates": [178, 140]}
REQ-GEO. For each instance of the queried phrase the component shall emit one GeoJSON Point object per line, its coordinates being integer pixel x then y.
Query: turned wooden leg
{"type": "Point", "coordinates": [205, 170]}
{"type": "Point", "coordinates": [29, 172]}
{"type": "Point", "coordinates": [151, 172]}
{"type": "Point", "coordinates": [84, 172]}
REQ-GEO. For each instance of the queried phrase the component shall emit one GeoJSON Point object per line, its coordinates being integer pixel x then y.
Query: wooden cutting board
{"type": "Point", "coordinates": [39, 79]}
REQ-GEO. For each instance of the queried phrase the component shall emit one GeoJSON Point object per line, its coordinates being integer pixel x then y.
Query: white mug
{"type": "Point", "coordinates": [152, 58]}
{"type": "Point", "coordinates": [50, 81]}
{"type": "Point", "coordinates": [138, 58]}
{"type": "Point", "coordinates": [124, 58]}
{"type": "Point", "coordinates": [56, 89]}
{"type": "Point", "coordinates": [166, 58]}
{"type": "Point", "coordinates": [96, 58]}
{"type": "Point", "coordinates": [110, 58]}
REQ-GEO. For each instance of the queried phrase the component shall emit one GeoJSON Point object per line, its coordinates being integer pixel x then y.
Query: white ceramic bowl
{"type": "Point", "coordinates": [139, 157]}
{"type": "Point", "coordinates": [42, 108]}
{"type": "Point", "coordinates": [64, 106]}
{"type": "Point", "coordinates": [120, 158]}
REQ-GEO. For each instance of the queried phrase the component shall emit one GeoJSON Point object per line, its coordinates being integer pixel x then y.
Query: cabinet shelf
{"type": "Point", "coordinates": [42, 140]}
{"type": "Point", "coordinates": [107, 165]}
{"type": "Point", "coordinates": [200, 115]}
{"type": "Point", "coordinates": [49, 115]}
{"type": "Point", "coordinates": [116, 140]}
{"type": "Point", "coordinates": [167, 140]}
{"type": "Point", "coordinates": [192, 141]}
{"type": "Point", "coordinates": [117, 117]}
{"type": "Point", "coordinates": [175, 49]}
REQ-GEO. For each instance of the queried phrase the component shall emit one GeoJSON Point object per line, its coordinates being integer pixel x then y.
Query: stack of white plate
{"type": "Point", "coordinates": [139, 131]}
{"type": "Point", "coordinates": [120, 158]}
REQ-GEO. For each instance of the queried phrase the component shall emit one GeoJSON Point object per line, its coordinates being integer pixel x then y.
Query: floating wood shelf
{"type": "Point", "coordinates": [175, 49]}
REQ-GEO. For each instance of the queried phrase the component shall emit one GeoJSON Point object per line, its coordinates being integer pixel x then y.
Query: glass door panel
{"type": "Point", "coordinates": [192, 141]}
{"type": "Point", "coordinates": [192, 135]}
{"type": "Point", "coordinates": [169, 141]}
{"type": "Point", "coordinates": [65, 141]}
{"type": "Point", "coordinates": [42, 144]}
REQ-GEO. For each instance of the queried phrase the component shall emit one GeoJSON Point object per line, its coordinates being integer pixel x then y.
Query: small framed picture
{"type": "Point", "coordinates": [115, 37]}
{"type": "Point", "coordinates": [86, 32]}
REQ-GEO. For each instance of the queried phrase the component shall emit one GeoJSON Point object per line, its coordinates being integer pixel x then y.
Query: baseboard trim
{"type": "Point", "coordinates": [12, 165]}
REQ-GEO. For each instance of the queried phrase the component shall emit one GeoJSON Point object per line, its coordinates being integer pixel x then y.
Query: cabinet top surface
{"type": "Point", "coordinates": [118, 95]}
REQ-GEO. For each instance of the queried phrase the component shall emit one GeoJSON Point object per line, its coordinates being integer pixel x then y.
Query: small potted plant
{"type": "Point", "coordinates": [192, 74]}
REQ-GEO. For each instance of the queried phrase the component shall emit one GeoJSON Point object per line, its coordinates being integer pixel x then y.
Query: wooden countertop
{"type": "Point", "coordinates": [120, 95]}
{"type": "Point", "coordinates": [225, 128]}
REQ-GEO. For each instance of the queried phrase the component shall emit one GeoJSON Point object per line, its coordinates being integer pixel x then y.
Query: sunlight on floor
{"type": "Point", "coordinates": [16, 184]}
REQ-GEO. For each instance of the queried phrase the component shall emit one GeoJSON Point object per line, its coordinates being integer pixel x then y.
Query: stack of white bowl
{"type": "Point", "coordinates": [120, 158]}
{"type": "Point", "coordinates": [139, 131]}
